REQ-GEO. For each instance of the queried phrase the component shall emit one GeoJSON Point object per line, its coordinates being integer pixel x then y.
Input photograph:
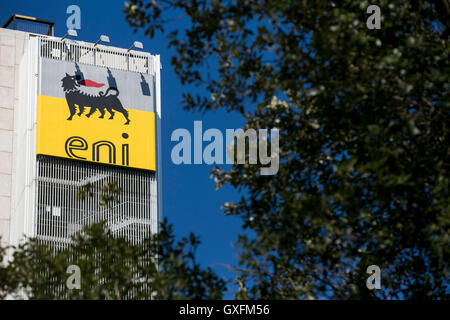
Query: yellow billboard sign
{"type": "Point", "coordinates": [91, 134]}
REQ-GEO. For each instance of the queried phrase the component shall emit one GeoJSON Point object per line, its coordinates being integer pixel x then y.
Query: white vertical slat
{"type": "Point", "coordinates": [82, 52]}
{"type": "Point", "coordinates": [57, 185]}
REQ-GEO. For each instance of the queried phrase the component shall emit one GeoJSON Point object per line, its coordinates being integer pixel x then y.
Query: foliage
{"type": "Point", "coordinates": [364, 136]}
{"type": "Point", "coordinates": [111, 268]}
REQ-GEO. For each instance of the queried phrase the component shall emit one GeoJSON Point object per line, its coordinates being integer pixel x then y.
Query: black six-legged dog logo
{"type": "Point", "coordinates": [101, 102]}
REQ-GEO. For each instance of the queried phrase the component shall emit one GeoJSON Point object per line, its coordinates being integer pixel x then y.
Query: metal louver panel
{"type": "Point", "coordinates": [60, 213]}
{"type": "Point", "coordinates": [86, 53]}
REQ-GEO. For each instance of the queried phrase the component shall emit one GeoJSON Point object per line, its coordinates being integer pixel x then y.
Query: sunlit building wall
{"type": "Point", "coordinates": [39, 175]}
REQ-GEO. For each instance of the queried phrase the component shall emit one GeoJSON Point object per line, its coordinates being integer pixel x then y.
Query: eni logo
{"type": "Point", "coordinates": [78, 144]}
{"type": "Point", "coordinates": [100, 102]}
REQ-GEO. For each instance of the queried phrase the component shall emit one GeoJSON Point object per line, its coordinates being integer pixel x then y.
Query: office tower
{"type": "Point", "coordinates": [76, 114]}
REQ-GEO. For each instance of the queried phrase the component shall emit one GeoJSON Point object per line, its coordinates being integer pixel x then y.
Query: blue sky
{"type": "Point", "coordinates": [189, 199]}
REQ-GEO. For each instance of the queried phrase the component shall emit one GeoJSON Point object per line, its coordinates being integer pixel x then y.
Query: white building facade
{"type": "Point", "coordinates": [45, 157]}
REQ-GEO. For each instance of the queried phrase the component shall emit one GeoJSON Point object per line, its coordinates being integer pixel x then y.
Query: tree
{"type": "Point", "coordinates": [111, 267]}
{"type": "Point", "coordinates": [364, 134]}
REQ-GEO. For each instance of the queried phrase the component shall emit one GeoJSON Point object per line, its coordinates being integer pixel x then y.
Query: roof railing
{"type": "Point", "coordinates": [29, 24]}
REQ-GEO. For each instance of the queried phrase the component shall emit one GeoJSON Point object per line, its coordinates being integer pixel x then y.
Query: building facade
{"type": "Point", "coordinates": [76, 114]}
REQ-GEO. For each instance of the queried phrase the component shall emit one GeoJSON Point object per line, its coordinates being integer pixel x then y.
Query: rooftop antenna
{"type": "Point", "coordinates": [103, 38]}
